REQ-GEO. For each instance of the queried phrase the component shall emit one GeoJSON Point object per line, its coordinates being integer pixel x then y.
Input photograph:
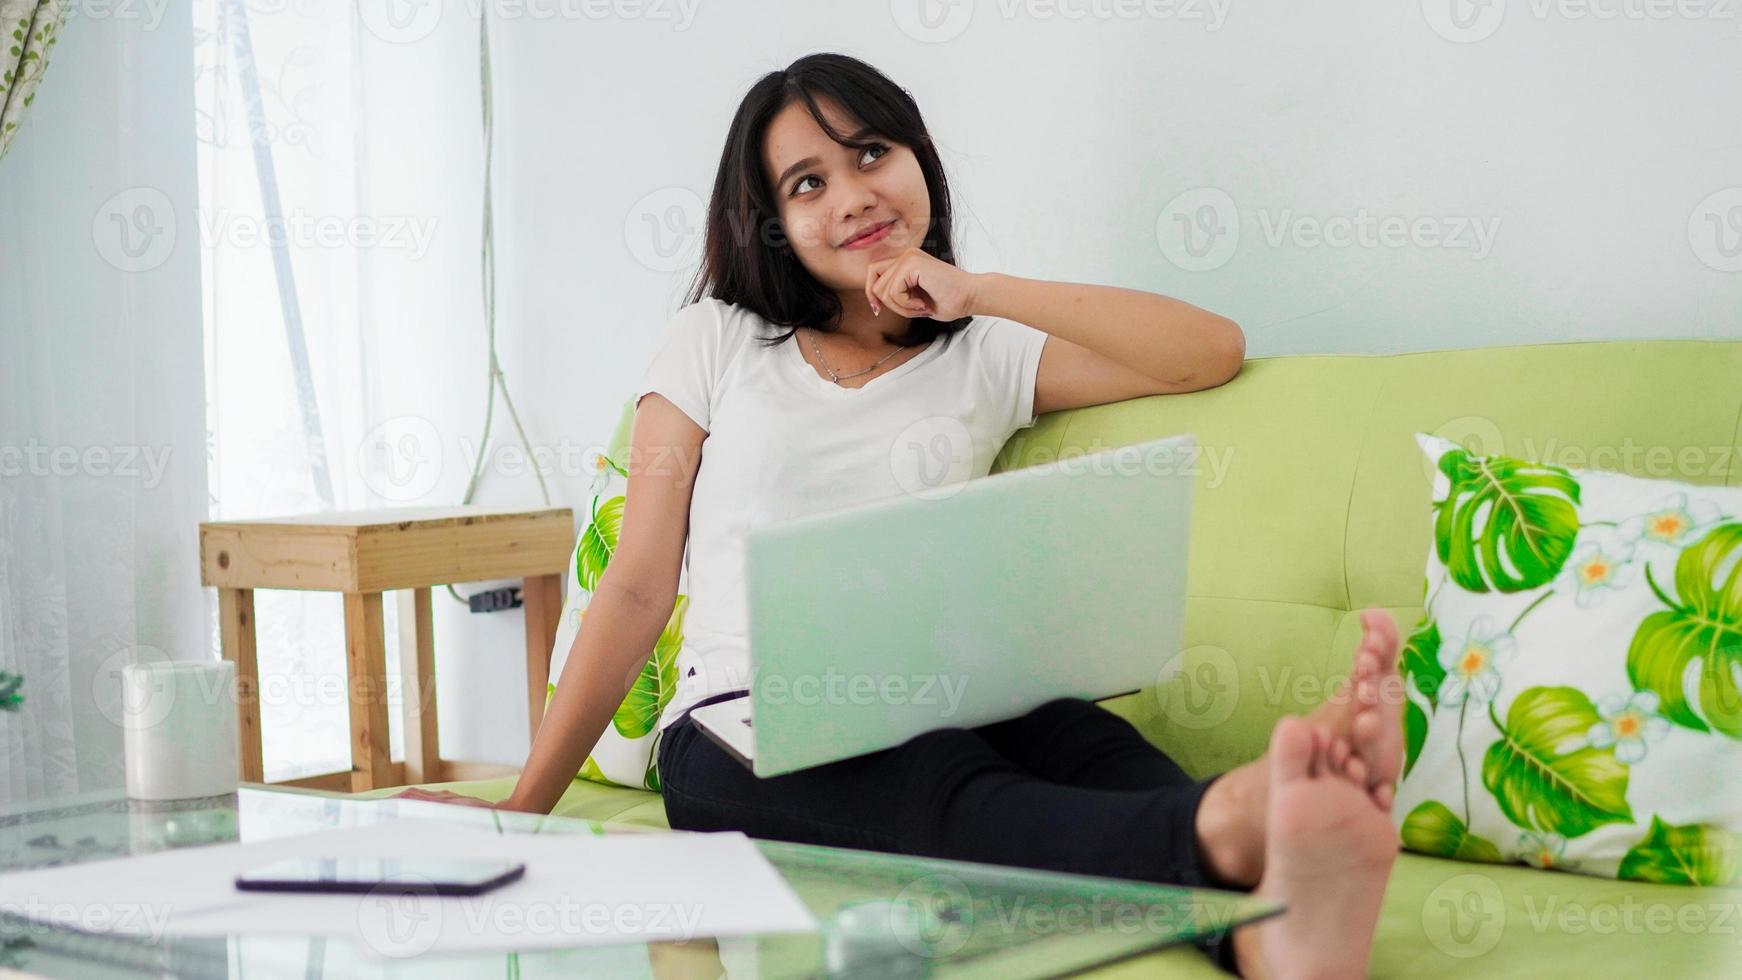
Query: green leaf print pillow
{"type": "Point", "coordinates": [1575, 685]}
{"type": "Point", "coordinates": [626, 753]}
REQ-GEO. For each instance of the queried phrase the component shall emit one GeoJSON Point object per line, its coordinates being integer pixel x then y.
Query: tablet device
{"type": "Point", "coordinates": [422, 875]}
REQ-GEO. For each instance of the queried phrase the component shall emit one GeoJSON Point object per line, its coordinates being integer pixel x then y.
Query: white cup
{"type": "Point", "coordinates": [178, 724]}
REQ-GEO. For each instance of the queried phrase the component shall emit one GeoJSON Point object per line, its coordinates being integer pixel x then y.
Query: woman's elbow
{"type": "Point", "coordinates": [1230, 355]}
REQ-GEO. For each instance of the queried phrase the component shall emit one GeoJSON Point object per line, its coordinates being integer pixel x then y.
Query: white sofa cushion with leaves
{"type": "Point", "coordinates": [627, 753]}
{"type": "Point", "coordinates": [1575, 685]}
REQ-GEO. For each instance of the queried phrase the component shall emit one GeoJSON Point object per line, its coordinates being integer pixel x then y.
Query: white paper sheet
{"type": "Point", "coordinates": [579, 890]}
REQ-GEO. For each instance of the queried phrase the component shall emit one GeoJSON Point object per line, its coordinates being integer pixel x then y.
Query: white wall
{"type": "Point", "coordinates": [1586, 148]}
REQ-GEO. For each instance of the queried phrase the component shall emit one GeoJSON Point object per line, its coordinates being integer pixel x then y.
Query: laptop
{"type": "Point", "coordinates": [871, 624]}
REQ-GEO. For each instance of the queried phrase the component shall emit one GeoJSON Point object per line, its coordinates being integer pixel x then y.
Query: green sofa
{"type": "Point", "coordinates": [1312, 503]}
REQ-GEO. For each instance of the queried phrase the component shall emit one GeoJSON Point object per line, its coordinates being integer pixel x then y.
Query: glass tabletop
{"type": "Point", "coordinates": [928, 917]}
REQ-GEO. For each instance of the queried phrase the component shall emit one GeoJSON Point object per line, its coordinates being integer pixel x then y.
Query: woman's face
{"type": "Point", "coordinates": [827, 193]}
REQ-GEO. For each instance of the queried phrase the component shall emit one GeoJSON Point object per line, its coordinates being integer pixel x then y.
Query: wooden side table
{"type": "Point", "coordinates": [363, 554]}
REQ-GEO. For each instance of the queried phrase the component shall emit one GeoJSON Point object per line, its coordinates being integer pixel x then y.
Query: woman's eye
{"type": "Point", "coordinates": [798, 186]}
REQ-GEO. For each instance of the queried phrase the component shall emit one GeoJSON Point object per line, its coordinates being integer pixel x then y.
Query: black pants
{"type": "Point", "coordinates": [1067, 787]}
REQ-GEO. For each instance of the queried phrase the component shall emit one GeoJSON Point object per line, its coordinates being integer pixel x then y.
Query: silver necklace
{"type": "Point", "coordinates": [836, 378]}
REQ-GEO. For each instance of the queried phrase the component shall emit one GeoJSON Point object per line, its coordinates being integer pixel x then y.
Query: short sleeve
{"type": "Point", "coordinates": [1012, 352]}
{"type": "Point", "coordinates": [686, 363]}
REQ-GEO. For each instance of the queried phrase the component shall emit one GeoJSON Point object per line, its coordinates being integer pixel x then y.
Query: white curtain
{"type": "Point", "coordinates": [102, 449]}
{"type": "Point", "coordinates": [344, 339]}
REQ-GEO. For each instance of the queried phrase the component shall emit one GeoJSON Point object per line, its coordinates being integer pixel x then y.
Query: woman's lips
{"type": "Point", "coordinates": [873, 238]}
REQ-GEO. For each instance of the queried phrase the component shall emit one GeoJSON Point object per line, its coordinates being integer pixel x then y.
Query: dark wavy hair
{"type": "Point", "coordinates": [745, 258]}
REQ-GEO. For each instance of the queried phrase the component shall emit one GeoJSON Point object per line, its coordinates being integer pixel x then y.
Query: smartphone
{"type": "Point", "coordinates": [413, 875]}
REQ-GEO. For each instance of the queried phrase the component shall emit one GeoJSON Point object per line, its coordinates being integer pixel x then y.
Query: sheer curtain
{"type": "Point", "coordinates": [344, 339]}
{"type": "Point", "coordinates": [102, 448]}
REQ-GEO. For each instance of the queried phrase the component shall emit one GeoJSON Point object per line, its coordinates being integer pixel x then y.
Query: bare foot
{"type": "Point", "coordinates": [1376, 730]}
{"type": "Point", "coordinates": [1330, 851]}
{"type": "Point", "coordinates": [1365, 725]}
{"type": "Point", "coordinates": [1370, 713]}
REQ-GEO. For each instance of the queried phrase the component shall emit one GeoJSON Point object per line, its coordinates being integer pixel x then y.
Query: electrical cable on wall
{"type": "Point", "coordinates": [495, 379]}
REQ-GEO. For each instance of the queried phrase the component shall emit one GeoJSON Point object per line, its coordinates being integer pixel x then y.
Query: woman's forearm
{"type": "Point", "coordinates": [621, 627]}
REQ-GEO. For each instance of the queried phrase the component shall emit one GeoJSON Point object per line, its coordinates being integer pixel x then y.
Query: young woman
{"type": "Point", "coordinates": [828, 318]}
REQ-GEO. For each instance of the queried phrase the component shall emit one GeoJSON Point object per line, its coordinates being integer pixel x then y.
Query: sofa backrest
{"type": "Point", "coordinates": [1312, 500]}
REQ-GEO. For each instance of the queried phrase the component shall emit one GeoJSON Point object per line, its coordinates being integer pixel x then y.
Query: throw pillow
{"type": "Point", "coordinates": [626, 754]}
{"type": "Point", "coordinates": [1575, 685]}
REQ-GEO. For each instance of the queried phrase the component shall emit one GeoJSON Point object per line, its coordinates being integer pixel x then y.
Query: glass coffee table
{"type": "Point", "coordinates": [878, 915]}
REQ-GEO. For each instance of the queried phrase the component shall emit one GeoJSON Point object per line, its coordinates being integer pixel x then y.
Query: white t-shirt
{"type": "Point", "coordinates": [785, 442]}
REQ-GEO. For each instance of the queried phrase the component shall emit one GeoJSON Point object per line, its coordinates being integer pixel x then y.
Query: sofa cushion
{"type": "Point", "coordinates": [625, 754]}
{"type": "Point", "coordinates": [1576, 682]}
